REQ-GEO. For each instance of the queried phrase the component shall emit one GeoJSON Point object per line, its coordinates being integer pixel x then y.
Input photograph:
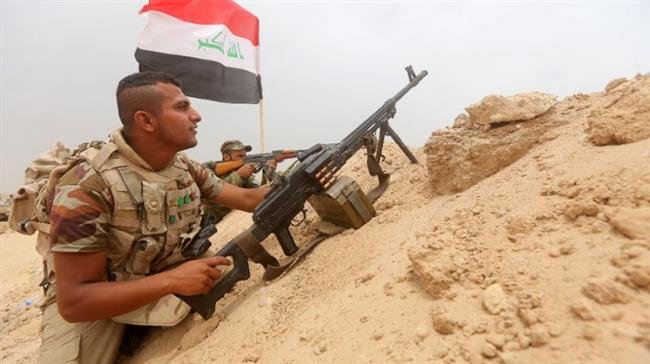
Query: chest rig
{"type": "Point", "coordinates": [155, 214]}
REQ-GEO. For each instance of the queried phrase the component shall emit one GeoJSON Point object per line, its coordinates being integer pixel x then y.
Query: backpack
{"type": "Point", "coordinates": [24, 217]}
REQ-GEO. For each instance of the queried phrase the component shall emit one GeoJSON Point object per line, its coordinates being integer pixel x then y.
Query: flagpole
{"type": "Point", "coordinates": [262, 146]}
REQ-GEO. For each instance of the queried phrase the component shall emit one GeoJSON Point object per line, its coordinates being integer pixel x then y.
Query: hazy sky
{"type": "Point", "coordinates": [325, 66]}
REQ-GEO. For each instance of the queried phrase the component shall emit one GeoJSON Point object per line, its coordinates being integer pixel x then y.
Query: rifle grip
{"type": "Point", "coordinates": [204, 304]}
{"type": "Point", "coordinates": [287, 243]}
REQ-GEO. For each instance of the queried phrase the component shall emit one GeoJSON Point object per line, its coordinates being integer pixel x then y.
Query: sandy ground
{"type": "Point", "coordinates": [545, 260]}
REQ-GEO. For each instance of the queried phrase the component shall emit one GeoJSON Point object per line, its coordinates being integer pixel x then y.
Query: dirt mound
{"type": "Point", "coordinates": [496, 134]}
{"type": "Point", "coordinates": [623, 113]}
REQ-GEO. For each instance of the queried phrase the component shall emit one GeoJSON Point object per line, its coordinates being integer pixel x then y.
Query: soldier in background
{"type": "Point", "coordinates": [244, 176]}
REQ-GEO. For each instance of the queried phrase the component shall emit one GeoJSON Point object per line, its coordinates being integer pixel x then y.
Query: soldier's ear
{"type": "Point", "coordinates": [144, 120]}
{"type": "Point", "coordinates": [226, 157]}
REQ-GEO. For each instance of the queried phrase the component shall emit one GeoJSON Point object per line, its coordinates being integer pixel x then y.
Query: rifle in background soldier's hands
{"type": "Point", "coordinates": [259, 161]}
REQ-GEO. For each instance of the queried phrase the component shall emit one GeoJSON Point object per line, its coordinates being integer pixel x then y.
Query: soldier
{"type": "Point", "coordinates": [234, 150]}
{"type": "Point", "coordinates": [120, 220]}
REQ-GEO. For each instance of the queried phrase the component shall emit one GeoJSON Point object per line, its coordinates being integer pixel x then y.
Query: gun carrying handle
{"type": "Point", "coordinates": [204, 304]}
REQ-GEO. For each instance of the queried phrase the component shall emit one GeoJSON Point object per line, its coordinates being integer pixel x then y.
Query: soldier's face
{"type": "Point", "coordinates": [235, 155]}
{"type": "Point", "coordinates": [177, 119]}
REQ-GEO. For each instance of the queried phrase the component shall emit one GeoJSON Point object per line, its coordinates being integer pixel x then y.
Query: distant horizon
{"type": "Point", "coordinates": [325, 67]}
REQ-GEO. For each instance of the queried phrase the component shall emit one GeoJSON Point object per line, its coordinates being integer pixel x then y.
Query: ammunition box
{"type": "Point", "coordinates": [343, 204]}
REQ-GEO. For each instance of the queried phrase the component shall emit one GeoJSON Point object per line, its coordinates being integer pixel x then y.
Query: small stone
{"type": "Point", "coordinates": [590, 332]}
{"type": "Point", "coordinates": [442, 351]}
{"type": "Point", "coordinates": [554, 253]}
{"type": "Point", "coordinates": [378, 336]}
{"type": "Point", "coordinates": [251, 359]}
{"type": "Point", "coordinates": [604, 292]}
{"type": "Point", "coordinates": [365, 278]}
{"type": "Point", "coordinates": [476, 358]}
{"type": "Point", "coordinates": [511, 346]}
{"type": "Point", "coordinates": [265, 301]}
{"type": "Point", "coordinates": [524, 342]}
{"type": "Point", "coordinates": [494, 299]}
{"type": "Point", "coordinates": [422, 331]}
{"type": "Point", "coordinates": [616, 316]}
{"type": "Point", "coordinates": [364, 319]}
{"type": "Point", "coordinates": [539, 336]}
{"type": "Point", "coordinates": [489, 351]}
{"type": "Point", "coordinates": [582, 311]}
{"type": "Point", "coordinates": [566, 250]}
{"type": "Point", "coordinates": [443, 325]}
{"type": "Point", "coordinates": [508, 358]}
{"type": "Point", "coordinates": [528, 317]}
{"type": "Point", "coordinates": [556, 329]}
{"type": "Point", "coordinates": [495, 339]}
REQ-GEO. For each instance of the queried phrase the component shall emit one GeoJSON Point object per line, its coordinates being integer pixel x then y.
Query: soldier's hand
{"type": "Point", "coordinates": [196, 276]}
{"type": "Point", "coordinates": [246, 171]}
{"type": "Point", "coordinates": [272, 164]}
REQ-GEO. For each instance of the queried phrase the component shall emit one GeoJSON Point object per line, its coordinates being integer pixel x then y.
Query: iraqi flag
{"type": "Point", "coordinates": [210, 45]}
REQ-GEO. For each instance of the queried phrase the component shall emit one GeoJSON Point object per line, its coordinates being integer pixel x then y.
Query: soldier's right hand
{"type": "Point", "coordinates": [246, 171]}
{"type": "Point", "coordinates": [196, 276]}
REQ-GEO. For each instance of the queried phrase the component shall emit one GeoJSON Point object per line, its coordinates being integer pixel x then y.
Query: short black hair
{"type": "Point", "coordinates": [133, 94]}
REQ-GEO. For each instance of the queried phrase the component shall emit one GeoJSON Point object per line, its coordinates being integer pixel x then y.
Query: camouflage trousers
{"type": "Point", "coordinates": [95, 342]}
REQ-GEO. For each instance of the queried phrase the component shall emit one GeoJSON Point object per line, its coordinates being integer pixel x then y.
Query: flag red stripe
{"type": "Point", "coordinates": [237, 19]}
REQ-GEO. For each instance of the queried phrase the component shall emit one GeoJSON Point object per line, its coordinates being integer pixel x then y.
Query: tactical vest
{"type": "Point", "coordinates": [155, 216]}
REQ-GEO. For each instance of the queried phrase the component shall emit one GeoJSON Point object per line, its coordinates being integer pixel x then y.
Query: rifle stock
{"type": "Point", "coordinates": [315, 172]}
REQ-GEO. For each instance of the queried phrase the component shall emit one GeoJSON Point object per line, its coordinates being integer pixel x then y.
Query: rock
{"type": "Point", "coordinates": [539, 336]}
{"type": "Point", "coordinates": [365, 278]}
{"type": "Point", "coordinates": [632, 222]}
{"type": "Point", "coordinates": [495, 339]}
{"type": "Point", "coordinates": [628, 121]}
{"type": "Point", "coordinates": [614, 84]}
{"type": "Point", "coordinates": [508, 358]}
{"type": "Point", "coordinates": [574, 210]}
{"type": "Point", "coordinates": [638, 274]}
{"type": "Point", "coordinates": [528, 317]}
{"type": "Point", "coordinates": [328, 228]}
{"type": "Point", "coordinates": [443, 325]}
{"type": "Point", "coordinates": [582, 311]}
{"type": "Point", "coordinates": [556, 329]}
{"type": "Point", "coordinates": [604, 292]}
{"type": "Point", "coordinates": [422, 331]}
{"type": "Point", "coordinates": [251, 358]}
{"type": "Point", "coordinates": [489, 351]}
{"type": "Point", "coordinates": [524, 342]}
{"type": "Point", "coordinates": [459, 158]}
{"type": "Point", "coordinates": [461, 121]}
{"type": "Point", "coordinates": [498, 109]}
{"type": "Point", "coordinates": [511, 346]}
{"type": "Point", "coordinates": [566, 249]}
{"type": "Point", "coordinates": [591, 332]}
{"type": "Point", "coordinates": [494, 299]}
{"type": "Point", "coordinates": [442, 351]}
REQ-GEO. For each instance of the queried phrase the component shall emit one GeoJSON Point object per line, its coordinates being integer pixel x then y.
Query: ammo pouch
{"type": "Point", "coordinates": [166, 311]}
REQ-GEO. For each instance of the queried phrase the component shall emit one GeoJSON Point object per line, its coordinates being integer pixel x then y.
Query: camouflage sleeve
{"type": "Point", "coordinates": [234, 179]}
{"type": "Point", "coordinates": [210, 165]}
{"type": "Point", "coordinates": [209, 184]}
{"type": "Point", "coordinates": [80, 214]}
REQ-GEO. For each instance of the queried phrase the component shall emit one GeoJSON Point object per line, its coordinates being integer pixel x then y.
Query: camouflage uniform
{"type": "Point", "coordinates": [216, 211]}
{"type": "Point", "coordinates": [112, 201]}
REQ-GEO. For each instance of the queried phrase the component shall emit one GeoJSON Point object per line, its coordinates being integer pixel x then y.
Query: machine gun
{"type": "Point", "coordinates": [315, 172]}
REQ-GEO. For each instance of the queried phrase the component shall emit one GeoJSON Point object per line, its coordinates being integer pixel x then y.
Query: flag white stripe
{"type": "Point", "coordinates": [166, 34]}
